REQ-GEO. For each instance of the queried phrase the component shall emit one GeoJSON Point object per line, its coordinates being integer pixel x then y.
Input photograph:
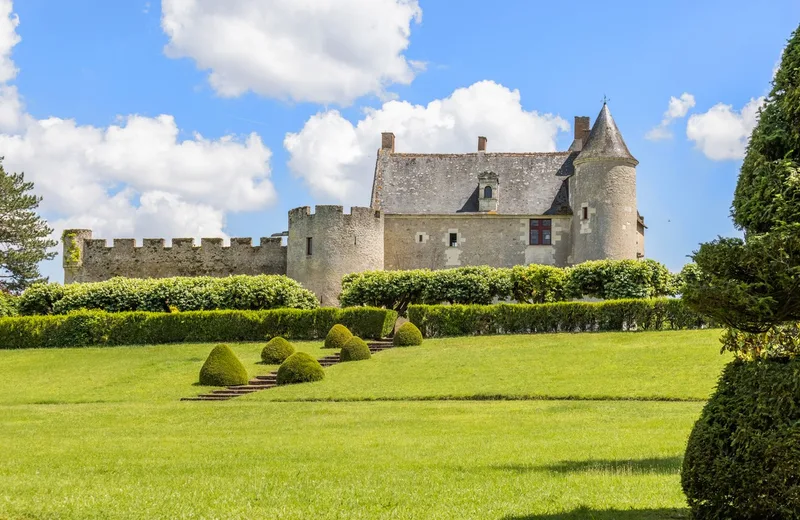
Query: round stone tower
{"type": "Point", "coordinates": [603, 196]}
{"type": "Point", "coordinates": [326, 245]}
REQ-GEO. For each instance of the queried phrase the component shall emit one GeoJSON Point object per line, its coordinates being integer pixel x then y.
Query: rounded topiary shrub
{"type": "Point", "coordinates": [276, 351]}
{"type": "Point", "coordinates": [300, 368]}
{"type": "Point", "coordinates": [337, 336]}
{"type": "Point", "coordinates": [408, 335]}
{"type": "Point", "coordinates": [223, 368]}
{"type": "Point", "coordinates": [743, 455]}
{"type": "Point", "coordinates": [355, 349]}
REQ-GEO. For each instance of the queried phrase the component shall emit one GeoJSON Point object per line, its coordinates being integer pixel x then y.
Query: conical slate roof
{"type": "Point", "coordinates": [605, 141]}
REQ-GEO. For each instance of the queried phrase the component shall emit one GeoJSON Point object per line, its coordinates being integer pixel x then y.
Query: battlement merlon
{"type": "Point", "coordinates": [83, 241]}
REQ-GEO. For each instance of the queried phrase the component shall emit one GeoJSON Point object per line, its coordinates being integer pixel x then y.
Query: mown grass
{"type": "Point", "coordinates": [434, 460]}
{"type": "Point", "coordinates": [100, 433]}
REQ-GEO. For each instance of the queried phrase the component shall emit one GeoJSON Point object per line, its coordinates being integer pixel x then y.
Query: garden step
{"type": "Point", "coordinates": [207, 398]}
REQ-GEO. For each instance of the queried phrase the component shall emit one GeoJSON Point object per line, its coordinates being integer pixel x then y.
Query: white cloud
{"type": "Point", "coordinates": [678, 108]}
{"type": "Point", "coordinates": [324, 51]}
{"type": "Point", "coordinates": [135, 178]}
{"type": "Point", "coordinates": [722, 132]}
{"type": "Point", "coordinates": [336, 158]}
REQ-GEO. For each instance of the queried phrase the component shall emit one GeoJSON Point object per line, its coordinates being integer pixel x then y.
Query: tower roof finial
{"type": "Point", "coordinates": [605, 140]}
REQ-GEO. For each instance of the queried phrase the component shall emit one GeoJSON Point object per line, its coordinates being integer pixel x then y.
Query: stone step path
{"type": "Point", "coordinates": [263, 382]}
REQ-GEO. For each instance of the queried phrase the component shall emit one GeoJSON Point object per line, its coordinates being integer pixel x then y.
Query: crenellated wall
{"type": "Point", "coordinates": [92, 260]}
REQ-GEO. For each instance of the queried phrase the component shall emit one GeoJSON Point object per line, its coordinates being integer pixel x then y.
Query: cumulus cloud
{"type": "Point", "coordinates": [336, 158]}
{"type": "Point", "coordinates": [677, 109]}
{"type": "Point", "coordinates": [135, 178]}
{"type": "Point", "coordinates": [323, 51]}
{"type": "Point", "coordinates": [722, 132]}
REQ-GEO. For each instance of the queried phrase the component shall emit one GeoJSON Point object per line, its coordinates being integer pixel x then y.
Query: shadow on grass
{"type": "Point", "coordinates": [663, 465]}
{"type": "Point", "coordinates": [584, 513]}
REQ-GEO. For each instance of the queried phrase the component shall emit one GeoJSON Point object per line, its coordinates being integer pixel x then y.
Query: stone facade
{"type": "Point", "coordinates": [433, 211]}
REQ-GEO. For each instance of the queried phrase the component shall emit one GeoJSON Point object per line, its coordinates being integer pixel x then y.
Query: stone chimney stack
{"type": "Point", "coordinates": [582, 128]}
{"type": "Point", "coordinates": [387, 142]}
{"type": "Point", "coordinates": [482, 144]}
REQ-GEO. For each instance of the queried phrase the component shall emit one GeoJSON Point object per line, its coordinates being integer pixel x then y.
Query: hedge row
{"type": "Point", "coordinates": [98, 328]}
{"type": "Point", "coordinates": [604, 279]}
{"type": "Point", "coordinates": [169, 294]}
{"type": "Point", "coordinates": [617, 315]}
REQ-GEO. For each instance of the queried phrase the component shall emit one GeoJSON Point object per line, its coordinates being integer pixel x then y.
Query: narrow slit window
{"type": "Point", "coordinates": [453, 239]}
{"type": "Point", "coordinates": [585, 213]}
{"type": "Point", "coordinates": [308, 246]}
{"type": "Point", "coordinates": [540, 232]}
{"type": "Point", "coordinates": [420, 238]}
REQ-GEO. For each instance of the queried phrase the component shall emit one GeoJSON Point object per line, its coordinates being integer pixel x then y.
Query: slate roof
{"type": "Point", "coordinates": [604, 140]}
{"type": "Point", "coordinates": [529, 183]}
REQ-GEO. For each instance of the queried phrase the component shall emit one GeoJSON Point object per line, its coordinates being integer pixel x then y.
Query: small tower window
{"type": "Point", "coordinates": [420, 238]}
{"type": "Point", "coordinates": [585, 213]}
{"type": "Point", "coordinates": [453, 239]}
{"type": "Point", "coordinates": [487, 192]}
{"type": "Point", "coordinates": [308, 246]}
{"type": "Point", "coordinates": [540, 232]}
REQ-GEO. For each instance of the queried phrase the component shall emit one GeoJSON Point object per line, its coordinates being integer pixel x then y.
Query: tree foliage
{"type": "Point", "coordinates": [24, 235]}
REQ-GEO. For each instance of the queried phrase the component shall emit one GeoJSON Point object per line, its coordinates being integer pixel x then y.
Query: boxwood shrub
{"type": "Point", "coordinates": [223, 368]}
{"type": "Point", "coordinates": [276, 351]}
{"type": "Point", "coordinates": [97, 328]}
{"type": "Point", "coordinates": [743, 455]}
{"type": "Point", "coordinates": [615, 315]}
{"type": "Point", "coordinates": [163, 294]}
{"type": "Point", "coordinates": [337, 336]}
{"type": "Point", "coordinates": [355, 349]}
{"type": "Point", "coordinates": [408, 335]}
{"type": "Point", "coordinates": [300, 367]}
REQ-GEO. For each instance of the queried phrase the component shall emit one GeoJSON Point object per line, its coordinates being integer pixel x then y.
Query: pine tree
{"type": "Point", "coordinates": [24, 235]}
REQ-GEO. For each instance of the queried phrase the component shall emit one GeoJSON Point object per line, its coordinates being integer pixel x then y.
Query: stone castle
{"type": "Point", "coordinates": [427, 211]}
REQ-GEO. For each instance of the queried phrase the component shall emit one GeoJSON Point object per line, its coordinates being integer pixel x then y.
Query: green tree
{"type": "Point", "coordinates": [24, 236]}
{"type": "Point", "coordinates": [753, 284]}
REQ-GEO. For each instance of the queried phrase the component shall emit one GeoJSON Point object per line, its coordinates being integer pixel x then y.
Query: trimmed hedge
{"type": "Point", "coordinates": [743, 455]}
{"type": "Point", "coordinates": [605, 279]}
{"type": "Point", "coordinates": [337, 337]}
{"type": "Point", "coordinates": [97, 328]}
{"type": "Point", "coordinates": [408, 335]}
{"type": "Point", "coordinates": [276, 351]}
{"type": "Point", "coordinates": [300, 367]}
{"type": "Point", "coordinates": [615, 315]}
{"type": "Point", "coordinates": [166, 294]}
{"type": "Point", "coordinates": [355, 349]}
{"type": "Point", "coordinates": [223, 368]}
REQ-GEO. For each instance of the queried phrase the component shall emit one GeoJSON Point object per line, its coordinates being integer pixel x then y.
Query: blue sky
{"type": "Point", "coordinates": [103, 101]}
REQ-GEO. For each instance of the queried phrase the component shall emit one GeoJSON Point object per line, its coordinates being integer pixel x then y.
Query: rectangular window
{"type": "Point", "coordinates": [585, 213]}
{"type": "Point", "coordinates": [453, 239]}
{"type": "Point", "coordinates": [308, 246]}
{"type": "Point", "coordinates": [540, 232]}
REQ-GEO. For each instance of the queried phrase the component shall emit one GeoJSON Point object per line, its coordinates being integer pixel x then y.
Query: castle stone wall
{"type": "Point", "coordinates": [607, 190]}
{"type": "Point", "coordinates": [423, 241]}
{"type": "Point", "coordinates": [340, 244]}
{"type": "Point", "coordinates": [92, 260]}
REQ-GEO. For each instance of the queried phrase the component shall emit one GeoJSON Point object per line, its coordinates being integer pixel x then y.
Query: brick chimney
{"type": "Point", "coordinates": [387, 141]}
{"type": "Point", "coordinates": [582, 128]}
{"type": "Point", "coordinates": [482, 144]}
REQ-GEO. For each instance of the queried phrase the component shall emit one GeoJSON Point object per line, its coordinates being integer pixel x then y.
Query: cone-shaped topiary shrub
{"type": "Point", "coordinates": [355, 349]}
{"type": "Point", "coordinates": [276, 351]}
{"type": "Point", "coordinates": [300, 368]}
{"type": "Point", "coordinates": [408, 335]}
{"type": "Point", "coordinates": [337, 336]}
{"type": "Point", "coordinates": [223, 368]}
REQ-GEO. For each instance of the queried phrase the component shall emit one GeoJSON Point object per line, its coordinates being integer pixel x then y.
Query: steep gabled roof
{"type": "Point", "coordinates": [605, 141]}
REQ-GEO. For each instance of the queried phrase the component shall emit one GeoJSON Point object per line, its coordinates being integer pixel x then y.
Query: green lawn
{"type": "Point", "coordinates": [99, 433]}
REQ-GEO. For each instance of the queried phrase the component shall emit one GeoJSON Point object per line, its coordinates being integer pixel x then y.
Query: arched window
{"type": "Point", "coordinates": [487, 192]}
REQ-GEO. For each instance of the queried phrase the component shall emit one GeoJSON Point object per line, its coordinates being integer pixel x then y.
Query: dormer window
{"type": "Point", "coordinates": [488, 183]}
{"type": "Point", "coordinates": [487, 192]}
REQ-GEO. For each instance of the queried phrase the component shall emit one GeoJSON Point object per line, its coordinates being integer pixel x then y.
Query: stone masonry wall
{"type": "Point", "coordinates": [90, 260]}
{"type": "Point", "coordinates": [422, 241]}
{"type": "Point", "coordinates": [340, 244]}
